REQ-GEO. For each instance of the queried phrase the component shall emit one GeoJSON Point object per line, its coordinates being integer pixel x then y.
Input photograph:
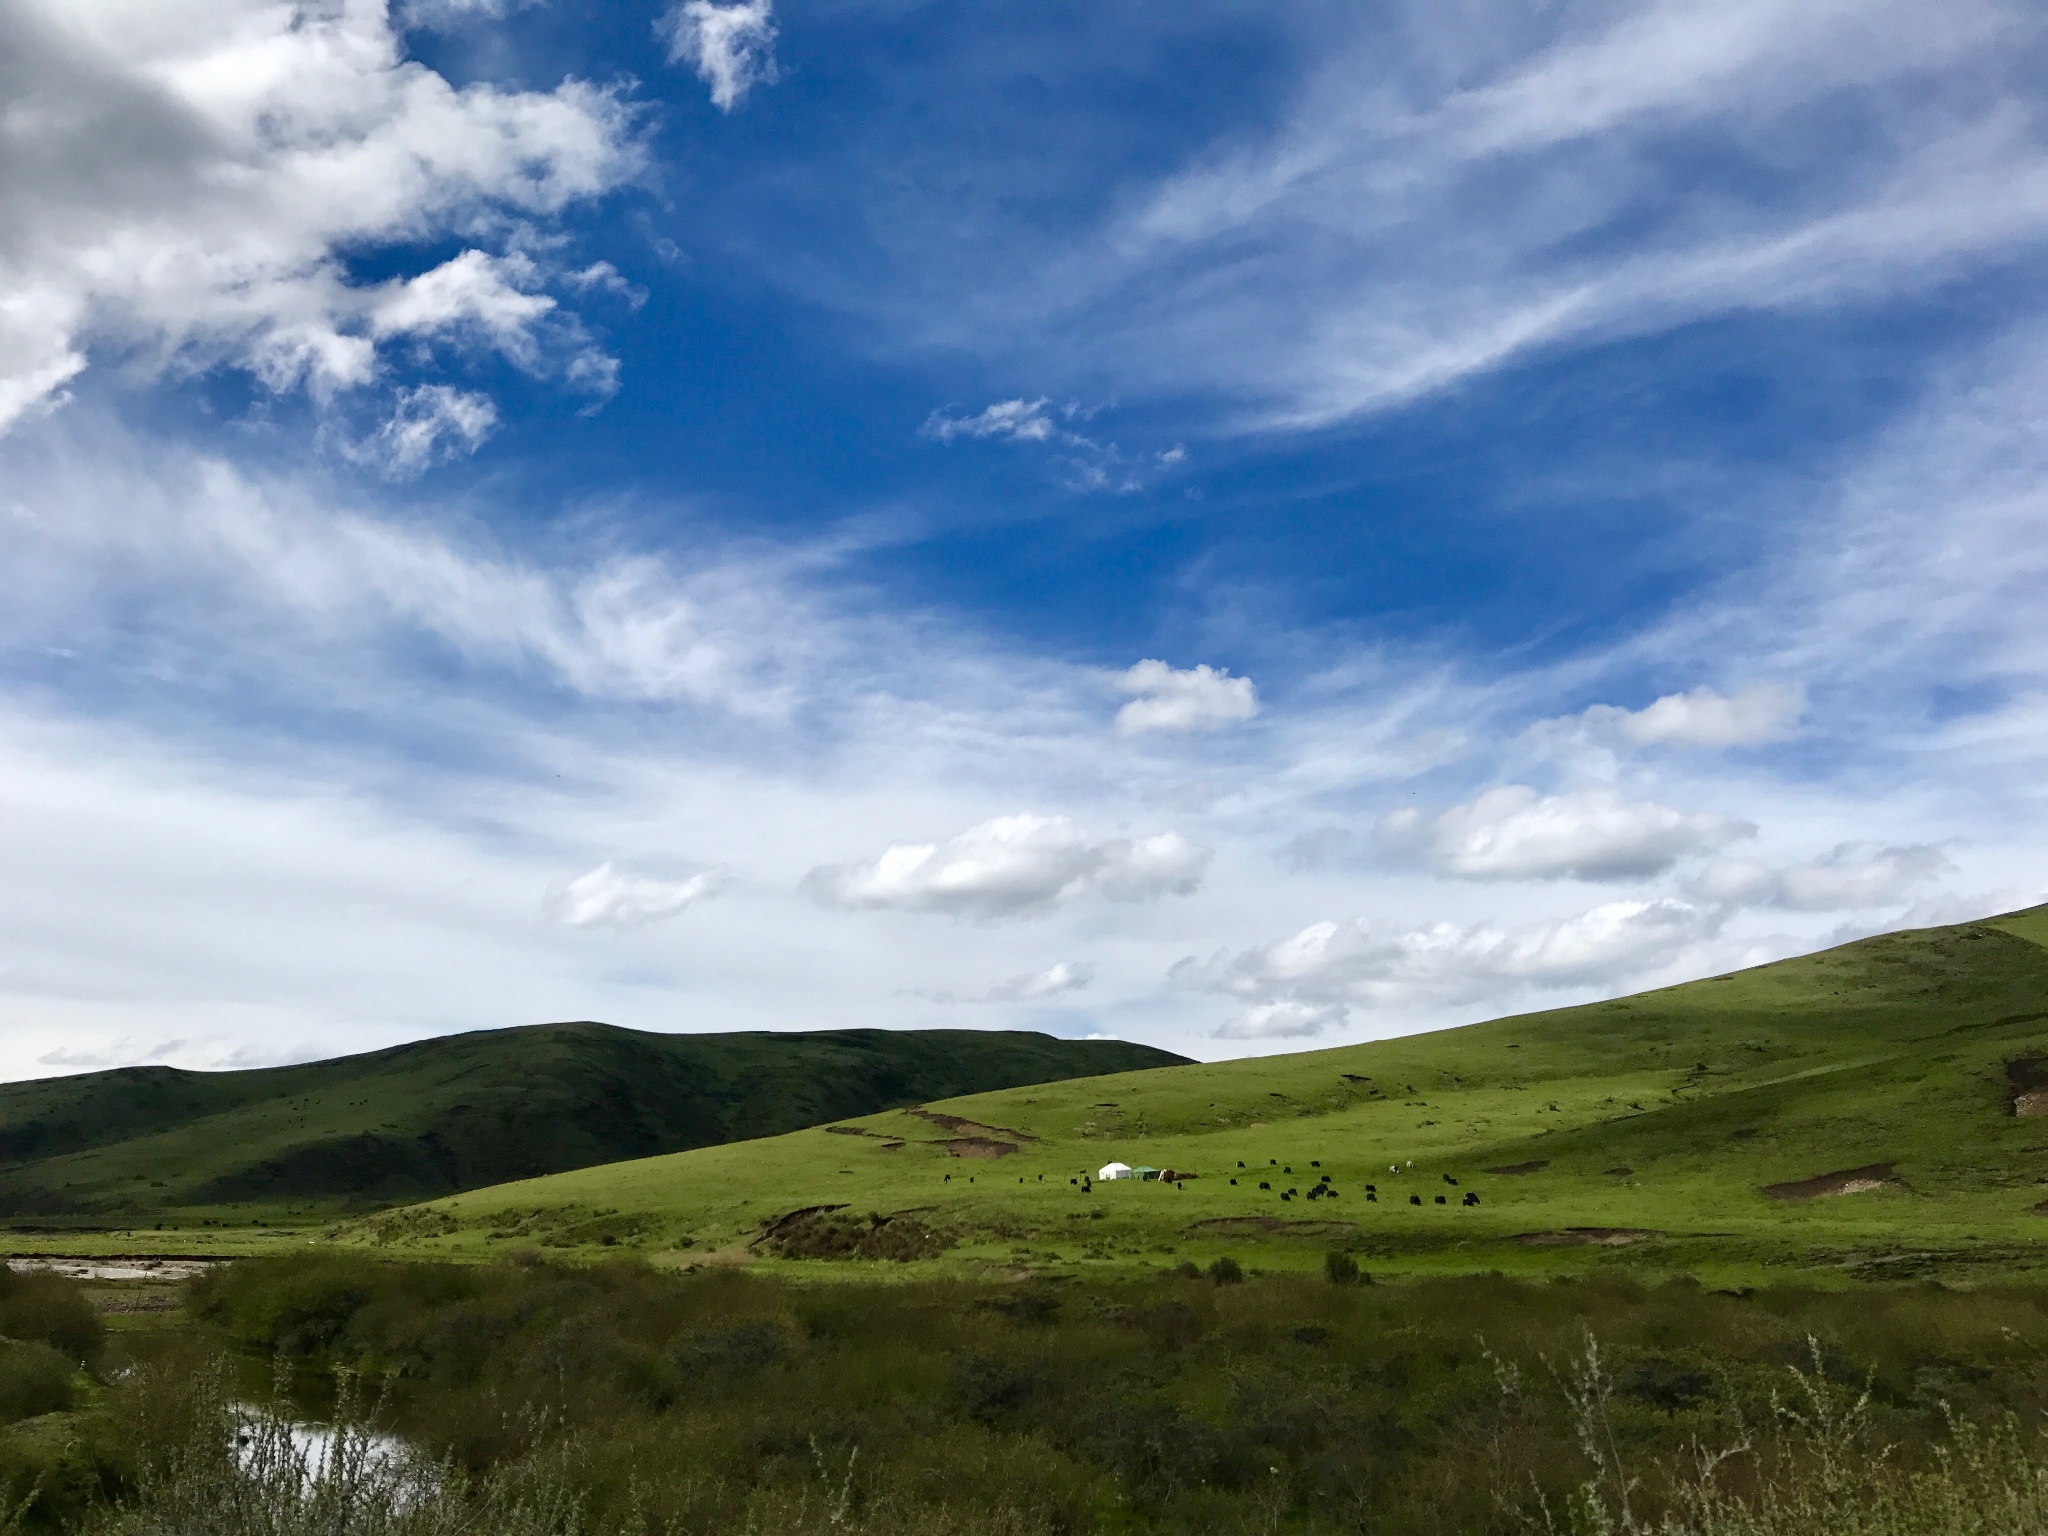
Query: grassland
{"type": "Point", "coordinates": [1686, 1130]}
{"type": "Point", "coordinates": [255, 1152]}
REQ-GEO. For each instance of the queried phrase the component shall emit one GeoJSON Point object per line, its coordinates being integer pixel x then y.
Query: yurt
{"type": "Point", "coordinates": [1114, 1171]}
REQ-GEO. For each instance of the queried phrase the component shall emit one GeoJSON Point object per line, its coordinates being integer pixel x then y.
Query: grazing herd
{"type": "Point", "coordinates": [1322, 1189]}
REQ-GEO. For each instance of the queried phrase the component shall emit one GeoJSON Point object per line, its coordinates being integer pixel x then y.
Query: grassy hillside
{"type": "Point", "coordinates": [1849, 1112]}
{"type": "Point", "coordinates": [148, 1144]}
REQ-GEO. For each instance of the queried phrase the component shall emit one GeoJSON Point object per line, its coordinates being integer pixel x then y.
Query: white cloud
{"type": "Point", "coordinates": [1707, 718]}
{"type": "Point", "coordinates": [1013, 866]}
{"type": "Point", "coordinates": [1289, 1020]}
{"type": "Point", "coordinates": [606, 897]}
{"type": "Point", "coordinates": [185, 184]}
{"type": "Point", "coordinates": [1330, 966]}
{"type": "Point", "coordinates": [1062, 979]}
{"type": "Point", "coordinates": [732, 47]}
{"type": "Point", "coordinates": [1193, 699]}
{"type": "Point", "coordinates": [1851, 876]}
{"type": "Point", "coordinates": [449, 15]}
{"type": "Point", "coordinates": [428, 425]}
{"type": "Point", "coordinates": [1020, 421]}
{"type": "Point", "coordinates": [487, 297]}
{"type": "Point", "coordinates": [1321, 262]}
{"type": "Point", "coordinates": [184, 543]}
{"type": "Point", "coordinates": [1058, 980]}
{"type": "Point", "coordinates": [1512, 833]}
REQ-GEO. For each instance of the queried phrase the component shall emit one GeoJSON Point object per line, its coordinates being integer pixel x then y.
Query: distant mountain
{"type": "Point", "coordinates": [463, 1111]}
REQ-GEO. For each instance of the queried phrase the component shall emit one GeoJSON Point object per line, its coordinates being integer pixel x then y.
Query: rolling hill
{"type": "Point", "coordinates": [1878, 1109]}
{"type": "Point", "coordinates": [148, 1144]}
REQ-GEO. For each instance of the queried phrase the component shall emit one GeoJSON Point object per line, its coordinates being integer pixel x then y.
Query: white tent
{"type": "Point", "coordinates": [1115, 1171]}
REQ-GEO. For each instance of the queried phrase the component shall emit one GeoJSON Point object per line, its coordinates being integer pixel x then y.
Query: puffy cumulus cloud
{"type": "Point", "coordinates": [186, 185]}
{"type": "Point", "coordinates": [1020, 421]}
{"type": "Point", "coordinates": [1013, 866]}
{"type": "Point", "coordinates": [427, 426]}
{"type": "Point", "coordinates": [1331, 966]}
{"type": "Point", "coordinates": [1194, 699]}
{"type": "Point", "coordinates": [1849, 877]}
{"type": "Point", "coordinates": [1513, 833]}
{"type": "Point", "coordinates": [1290, 1020]}
{"type": "Point", "coordinates": [732, 47]}
{"type": "Point", "coordinates": [1706, 718]}
{"type": "Point", "coordinates": [609, 898]}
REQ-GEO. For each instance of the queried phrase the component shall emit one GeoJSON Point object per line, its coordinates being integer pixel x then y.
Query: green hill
{"type": "Point", "coordinates": [155, 1143]}
{"type": "Point", "coordinates": [1874, 1109]}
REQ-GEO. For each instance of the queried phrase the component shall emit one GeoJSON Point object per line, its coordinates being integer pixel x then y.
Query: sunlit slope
{"type": "Point", "coordinates": [149, 1143]}
{"type": "Point", "coordinates": [1649, 1127]}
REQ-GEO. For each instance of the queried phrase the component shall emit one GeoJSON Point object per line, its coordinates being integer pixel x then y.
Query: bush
{"type": "Point", "coordinates": [34, 1379]}
{"type": "Point", "coordinates": [1225, 1271]}
{"type": "Point", "coordinates": [1339, 1268]}
{"type": "Point", "coordinates": [52, 1310]}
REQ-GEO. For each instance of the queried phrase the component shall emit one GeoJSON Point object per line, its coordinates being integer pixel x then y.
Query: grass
{"type": "Point", "coordinates": [528, 1398]}
{"type": "Point", "coordinates": [235, 1150]}
{"type": "Point", "coordinates": [1649, 1130]}
{"type": "Point", "coordinates": [658, 1403]}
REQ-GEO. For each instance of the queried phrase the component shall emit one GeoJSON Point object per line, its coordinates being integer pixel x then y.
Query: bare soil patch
{"type": "Point", "coordinates": [984, 1147]}
{"type": "Point", "coordinates": [1844, 1181]}
{"type": "Point", "coordinates": [825, 1234]}
{"type": "Point", "coordinates": [1538, 1166]}
{"type": "Point", "coordinates": [2026, 1087]}
{"type": "Point", "coordinates": [1585, 1237]}
{"type": "Point", "coordinates": [773, 1226]}
{"type": "Point", "coordinates": [970, 1128]}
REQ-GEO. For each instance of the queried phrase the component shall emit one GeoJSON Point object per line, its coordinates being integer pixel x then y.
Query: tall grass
{"type": "Point", "coordinates": [1814, 1467]}
{"type": "Point", "coordinates": [543, 1401]}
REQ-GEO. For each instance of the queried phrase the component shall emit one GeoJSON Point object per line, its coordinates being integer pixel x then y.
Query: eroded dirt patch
{"type": "Point", "coordinates": [970, 1128]}
{"type": "Point", "coordinates": [822, 1233]}
{"type": "Point", "coordinates": [1538, 1166]}
{"type": "Point", "coordinates": [2026, 1087]}
{"type": "Point", "coordinates": [1585, 1237]}
{"type": "Point", "coordinates": [1844, 1181]}
{"type": "Point", "coordinates": [977, 1146]}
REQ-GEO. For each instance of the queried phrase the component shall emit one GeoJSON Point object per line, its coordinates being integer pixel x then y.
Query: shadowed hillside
{"type": "Point", "coordinates": [1875, 1109]}
{"type": "Point", "coordinates": [467, 1110]}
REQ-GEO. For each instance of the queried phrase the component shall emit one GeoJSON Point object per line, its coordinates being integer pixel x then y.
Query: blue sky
{"type": "Point", "coordinates": [1241, 527]}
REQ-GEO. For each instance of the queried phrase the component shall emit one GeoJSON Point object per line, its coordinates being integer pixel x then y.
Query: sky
{"type": "Point", "coordinates": [1239, 527]}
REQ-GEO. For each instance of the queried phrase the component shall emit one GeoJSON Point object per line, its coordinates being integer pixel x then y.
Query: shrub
{"type": "Point", "coordinates": [52, 1310]}
{"type": "Point", "coordinates": [1339, 1268]}
{"type": "Point", "coordinates": [1226, 1271]}
{"type": "Point", "coordinates": [34, 1379]}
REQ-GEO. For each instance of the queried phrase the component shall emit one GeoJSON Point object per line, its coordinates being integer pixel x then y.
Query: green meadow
{"type": "Point", "coordinates": [1865, 1113]}
{"type": "Point", "coordinates": [222, 1154]}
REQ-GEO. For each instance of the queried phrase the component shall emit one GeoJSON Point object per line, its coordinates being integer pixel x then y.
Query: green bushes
{"type": "Point", "coordinates": [34, 1379]}
{"type": "Point", "coordinates": [720, 1403]}
{"type": "Point", "coordinates": [616, 1401]}
{"type": "Point", "coordinates": [49, 1309]}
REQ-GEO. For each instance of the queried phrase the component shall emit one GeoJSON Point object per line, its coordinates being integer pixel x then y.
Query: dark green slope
{"type": "Point", "coordinates": [468, 1110]}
